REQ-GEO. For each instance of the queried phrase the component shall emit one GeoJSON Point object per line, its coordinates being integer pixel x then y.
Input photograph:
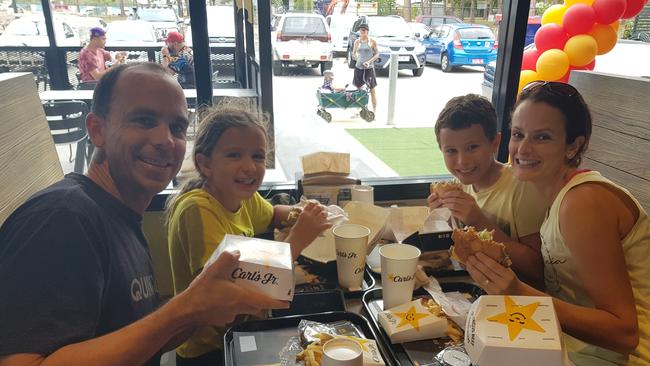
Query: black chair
{"type": "Point", "coordinates": [67, 120]}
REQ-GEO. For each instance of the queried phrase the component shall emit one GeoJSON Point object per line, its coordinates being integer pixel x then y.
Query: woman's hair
{"type": "Point", "coordinates": [566, 99]}
{"type": "Point", "coordinates": [214, 122]}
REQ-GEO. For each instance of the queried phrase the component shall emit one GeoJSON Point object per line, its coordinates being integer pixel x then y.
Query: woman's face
{"type": "Point", "coordinates": [538, 150]}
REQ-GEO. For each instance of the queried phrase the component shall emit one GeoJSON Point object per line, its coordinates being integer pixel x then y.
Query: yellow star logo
{"type": "Point", "coordinates": [411, 317]}
{"type": "Point", "coordinates": [517, 318]}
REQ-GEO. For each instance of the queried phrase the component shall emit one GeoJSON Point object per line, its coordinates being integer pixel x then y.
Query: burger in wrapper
{"type": "Point", "coordinates": [468, 242]}
{"type": "Point", "coordinates": [444, 187]}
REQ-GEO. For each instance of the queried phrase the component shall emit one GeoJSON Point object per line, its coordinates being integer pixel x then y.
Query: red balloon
{"type": "Point", "coordinates": [579, 19]}
{"type": "Point", "coordinates": [529, 62]}
{"type": "Point", "coordinates": [589, 66]}
{"type": "Point", "coordinates": [609, 11]}
{"type": "Point", "coordinates": [550, 36]}
{"type": "Point", "coordinates": [633, 8]}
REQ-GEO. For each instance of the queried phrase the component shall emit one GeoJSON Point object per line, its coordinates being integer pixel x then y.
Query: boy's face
{"type": "Point", "coordinates": [329, 77]}
{"type": "Point", "coordinates": [468, 153]}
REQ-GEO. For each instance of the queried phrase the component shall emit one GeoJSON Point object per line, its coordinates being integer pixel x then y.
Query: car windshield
{"type": "Point", "coordinates": [123, 32]}
{"type": "Point", "coordinates": [303, 25]}
{"type": "Point", "coordinates": [453, 21]}
{"type": "Point", "coordinates": [221, 21]}
{"type": "Point", "coordinates": [388, 27]}
{"type": "Point", "coordinates": [475, 33]}
{"type": "Point", "coordinates": [157, 15]}
{"type": "Point", "coordinates": [26, 28]}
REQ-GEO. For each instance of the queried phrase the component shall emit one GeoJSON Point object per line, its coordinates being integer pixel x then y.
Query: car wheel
{"type": "Point", "coordinates": [418, 72]}
{"type": "Point", "coordinates": [277, 68]}
{"type": "Point", "coordinates": [445, 65]}
{"type": "Point", "coordinates": [327, 65]}
{"type": "Point", "coordinates": [351, 62]}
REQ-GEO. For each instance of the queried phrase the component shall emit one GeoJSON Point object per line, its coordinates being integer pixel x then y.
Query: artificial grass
{"type": "Point", "coordinates": [408, 151]}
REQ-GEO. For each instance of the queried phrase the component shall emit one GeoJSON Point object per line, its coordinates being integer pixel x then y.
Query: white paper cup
{"type": "Point", "coordinates": [363, 193]}
{"type": "Point", "coordinates": [398, 265]}
{"type": "Point", "coordinates": [351, 241]}
{"type": "Point", "coordinates": [342, 352]}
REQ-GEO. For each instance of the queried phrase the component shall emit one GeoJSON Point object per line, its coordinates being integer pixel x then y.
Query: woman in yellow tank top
{"type": "Point", "coordinates": [595, 238]}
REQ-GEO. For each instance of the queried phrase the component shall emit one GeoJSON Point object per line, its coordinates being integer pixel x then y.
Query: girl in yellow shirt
{"type": "Point", "coordinates": [230, 153]}
{"type": "Point", "coordinates": [595, 238]}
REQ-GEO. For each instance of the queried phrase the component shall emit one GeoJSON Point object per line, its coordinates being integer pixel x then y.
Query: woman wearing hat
{"type": "Point", "coordinates": [93, 57]}
{"type": "Point", "coordinates": [365, 52]}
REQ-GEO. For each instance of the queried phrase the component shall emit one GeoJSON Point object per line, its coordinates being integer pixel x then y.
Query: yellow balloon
{"type": "Point", "coordinates": [581, 49]}
{"type": "Point", "coordinates": [605, 36]}
{"type": "Point", "coordinates": [568, 3]}
{"type": "Point", "coordinates": [554, 14]}
{"type": "Point", "coordinates": [616, 25]}
{"type": "Point", "coordinates": [527, 76]}
{"type": "Point", "coordinates": [552, 65]}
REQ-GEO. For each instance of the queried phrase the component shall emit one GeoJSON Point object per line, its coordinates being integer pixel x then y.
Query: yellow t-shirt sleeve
{"type": "Point", "coordinates": [528, 210]}
{"type": "Point", "coordinates": [261, 214]}
{"type": "Point", "coordinates": [201, 232]}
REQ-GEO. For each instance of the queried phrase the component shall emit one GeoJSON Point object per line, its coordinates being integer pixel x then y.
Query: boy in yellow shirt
{"type": "Point", "coordinates": [492, 198]}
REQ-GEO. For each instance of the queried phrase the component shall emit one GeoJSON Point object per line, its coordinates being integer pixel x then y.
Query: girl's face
{"type": "Point", "coordinates": [235, 169]}
{"type": "Point", "coordinates": [538, 150]}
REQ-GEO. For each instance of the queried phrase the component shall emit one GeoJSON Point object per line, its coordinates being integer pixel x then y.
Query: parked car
{"type": "Point", "coordinates": [302, 40]}
{"type": "Point", "coordinates": [627, 58]}
{"type": "Point", "coordinates": [340, 25]}
{"type": "Point", "coordinates": [419, 30]}
{"type": "Point", "coordinates": [30, 31]}
{"type": "Point", "coordinates": [221, 26]}
{"type": "Point", "coordinates": [83, 25]}
{"type": "Point", "coordinates": [392, 34]}
{"type": "Point", "coordinates": [164, 20]}
{"type": "Point", "coordinates": [453, 45]}
{"type": "Point", "coordinates": [433, 20]}
{"type": "Point", "coordinates": [131, 33]}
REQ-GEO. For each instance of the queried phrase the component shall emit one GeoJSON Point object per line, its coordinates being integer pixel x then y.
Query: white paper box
{"type": "Point", "coordinates": [412, 322]}
{"type": "Point", "coordinates": [513, 330]}
{"type": "Point", "coordinates": [265, 266]}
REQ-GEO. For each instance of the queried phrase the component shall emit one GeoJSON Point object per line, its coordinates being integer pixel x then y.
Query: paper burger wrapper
{"type": "Point", "coordinates": [323, 250]}
{"type": "Point", "coordinates": [264, 266]}
{"type": "Point", "coordinates": [412, 322]}
{"type": "Point", "coordinates": [513, 330]}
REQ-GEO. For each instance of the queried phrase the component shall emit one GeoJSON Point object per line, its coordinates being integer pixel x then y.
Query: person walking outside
{"type": "Point", "coordinates": [365, 52]}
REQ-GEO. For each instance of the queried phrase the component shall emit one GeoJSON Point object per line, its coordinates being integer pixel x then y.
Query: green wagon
{"type": "Point", "coordinates": [345, 99]}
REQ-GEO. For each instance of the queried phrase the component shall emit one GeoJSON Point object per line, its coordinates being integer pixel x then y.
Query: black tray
{"type": "Point", "coordinates": [283, 329]}
{"type": "Point", "coordinates": [425, 350]}
{"type": "Point", "coordinates": [313, 302]}
{"type": "Point", "coordinates": [328, 278]}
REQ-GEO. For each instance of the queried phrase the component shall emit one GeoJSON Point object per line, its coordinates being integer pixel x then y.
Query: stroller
{"type": "Point", "coordinates": [344, 99]}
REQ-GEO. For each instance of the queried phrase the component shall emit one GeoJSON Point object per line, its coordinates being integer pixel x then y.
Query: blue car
{"type": "Point", "coordinates": [452, 45]}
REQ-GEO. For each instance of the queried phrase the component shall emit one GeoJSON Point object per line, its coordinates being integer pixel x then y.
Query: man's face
{"type": "Point", "coordinates": [100, 41]}
{"type": "Point", "coordinates": [175, 46]}
{"type": "Point", "coordinates": [144, 133]}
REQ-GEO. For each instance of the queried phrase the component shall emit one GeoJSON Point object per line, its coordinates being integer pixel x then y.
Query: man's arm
{"type": "Point", "coordinates": [210, 300]}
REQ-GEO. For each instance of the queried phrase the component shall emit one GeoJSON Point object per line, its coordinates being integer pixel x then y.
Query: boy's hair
{"type": "Point", "coordinates": [464, 111]}
{"type": "Point", "coordinates": [215, 121]}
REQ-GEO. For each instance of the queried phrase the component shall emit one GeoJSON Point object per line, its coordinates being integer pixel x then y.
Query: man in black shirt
{"type": "Point", "coordinates": [76, 279]}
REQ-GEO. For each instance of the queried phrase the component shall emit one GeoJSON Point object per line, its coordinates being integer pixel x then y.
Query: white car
{"type": "Point", "coordinates": [221, 27]}
{"type": "Point", "coordinates": [164, 20]}
{"type": "Point", "coordinates": [340, 25]}
{"type": "Point", "coordinates": [419, 30]}
{"type": "Point", "coordinates": [30, 31]}
{"type": "Point", "coordinates": [83, 25]}
{"type": "Point", "coordinates": [132, 33]}
{"type": "Point", "coordinates": [302, 40]}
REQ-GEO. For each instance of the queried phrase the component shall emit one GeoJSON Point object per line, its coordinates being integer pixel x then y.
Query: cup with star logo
{"type": "Point", "coordinates": [351, 242]}
{"type": "Point", "coordinates": [398, 266]}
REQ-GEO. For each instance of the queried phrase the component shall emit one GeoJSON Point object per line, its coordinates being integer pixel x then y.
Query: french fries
{"type": "Point", "coordinates": [453, 330]}
{"type": "Point", "coordinates": [313, 353]}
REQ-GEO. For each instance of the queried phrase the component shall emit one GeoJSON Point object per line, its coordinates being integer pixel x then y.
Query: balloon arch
{"type": "Point", "coordinates": [572, 35]}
